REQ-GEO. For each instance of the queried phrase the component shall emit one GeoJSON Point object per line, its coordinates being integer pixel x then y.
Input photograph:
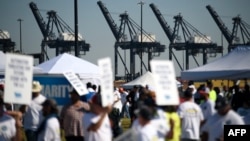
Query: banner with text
{"type": "Point", "coordinates": [55, 87]}
{"type": "Point", "coordinates": [18, 78]}
{"type": "Point", "coordinates": [107, 86]}
{"type": "Point", "coordinates": [165, 82]}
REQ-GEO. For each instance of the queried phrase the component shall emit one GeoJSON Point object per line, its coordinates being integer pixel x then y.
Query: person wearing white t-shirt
{"type": "Point", "coordinates": [125, 104]}
{"type": "Point", "coordinates": [96, 122]}
{"type": "Point", "coordinates": [147, 131]}
{"type": "Point", "coordinates": [191, 118]}
{"type": "Point", "coordinates": [7, 125]}
{"type": "Point", "coordinates": [208, 106]}
{"type": "Point", "coordinates": [117, 100]}
{"type": "Point", "coordinates": [158, 120]}
{"type": "Point", "coordinates": [33, 115]}
{"type": "Point", "coordinates": [49, 129]}
{"type": "Point", "coordinates": [214, 127]}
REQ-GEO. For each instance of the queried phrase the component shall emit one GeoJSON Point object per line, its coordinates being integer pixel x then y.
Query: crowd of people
{"type": "Point", "coordinates": [200, 116]}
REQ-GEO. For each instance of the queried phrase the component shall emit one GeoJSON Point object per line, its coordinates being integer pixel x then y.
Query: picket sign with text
{"type": "Point", "coordinates": [75, 82]}
{"type": "Point", "coordinates": [18, 78]}
{"type": "Point", "coordinates": [107, 86]}
{"type": "Point", "coordinates": [165, 82]}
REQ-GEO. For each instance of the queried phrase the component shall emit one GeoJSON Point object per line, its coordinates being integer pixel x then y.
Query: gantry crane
{"type": "Point", "coordinates": [193, 43]}
{"type": "Point", "coordinates": [6, 44]}
{"type": "Point", "coordinates": [233, 38]}
{"type": "Point", "coordinates": [139, 42]}
{"type": "Point", "coordinates": [64, 40]}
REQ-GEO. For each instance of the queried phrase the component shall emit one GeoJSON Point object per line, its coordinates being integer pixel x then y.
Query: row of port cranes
{"type": "Point", "coordinates": [183, 37]}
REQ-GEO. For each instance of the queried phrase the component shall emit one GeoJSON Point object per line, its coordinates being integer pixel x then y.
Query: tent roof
{"type": "Point", "coordinates": [65, 61]}
{"type": "Point", "coordinates": [145, 79]}
{"type": "Point", "coordinates": [234, 65]}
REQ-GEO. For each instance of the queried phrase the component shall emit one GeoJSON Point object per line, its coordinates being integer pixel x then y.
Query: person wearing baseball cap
{"type": "Point", "coordinates": [214, 126]}
{"type": "Point", "coordinates": [207, 106]}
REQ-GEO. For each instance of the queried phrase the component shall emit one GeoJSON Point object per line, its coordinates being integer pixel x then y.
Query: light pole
{"type": "Point", "coordinates": [141, 3]}
{"type": "Point", "coordinates": [20, 27]}
{"type": "Point", "coordinates": [76, 30]}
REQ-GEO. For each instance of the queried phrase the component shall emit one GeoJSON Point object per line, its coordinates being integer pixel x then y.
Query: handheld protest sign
{"type": "Point", "coordinates": [18, 79]}
{"type": "Point", "coordinates": [107, 85]}
{"type": "Point", "coordinates": [165, 82]}
{"type": "Point", "coordinates": [75, 82]}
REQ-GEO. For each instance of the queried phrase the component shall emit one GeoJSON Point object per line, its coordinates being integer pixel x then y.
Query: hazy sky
{"type": "Point", "coordinates": [96, 32]}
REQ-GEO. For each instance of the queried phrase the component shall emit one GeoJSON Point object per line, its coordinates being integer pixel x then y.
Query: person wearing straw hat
{"type": "Point", "coordinates": [33, 115]}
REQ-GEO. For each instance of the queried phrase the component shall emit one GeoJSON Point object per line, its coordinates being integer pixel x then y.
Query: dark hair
{"type": "Point", "coordinates": [209, 83]}
{"type": "Point", "coordinates": [191, 82]}
{"type": "Point", "coordinates": [89, 85]}
{"type": "Point", "coordinates": [144, 112]}
{"type": "Point", "coordinates": [52, 104]}
{"type": "Point", "coordinates": [217, 90]}
{"type": "Point", "coordinates": [94, 87]}
{"type": "Point", "coordinates": [135, 87]}
{"type": "Point", "coordinates": [188, 93]}
{"type": "Point", "coordinates": [150, 102]}
{"type": "Point", "coordinates": [201, 87]}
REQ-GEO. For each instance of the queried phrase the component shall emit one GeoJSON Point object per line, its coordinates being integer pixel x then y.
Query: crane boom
{"type": "Point", "coordinates": [227, 34]}
{"type": "Point", "coordinates": [110, 20]}
{"type": "Point", "coordinates": [168, 31]}
{"type": "Point", "coordinates": [41, 23]}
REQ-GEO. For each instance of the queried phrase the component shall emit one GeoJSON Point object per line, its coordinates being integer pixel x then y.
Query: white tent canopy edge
{"type": "Point", "coordinates": [234, 65]}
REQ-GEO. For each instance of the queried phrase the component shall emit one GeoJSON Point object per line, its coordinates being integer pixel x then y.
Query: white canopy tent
{"type": "Point", "coordinates": [87, 71]}
{"type": "Point", "coordinates": [234, 65]}
{"type": "Point", "coordinates": [145, 79]}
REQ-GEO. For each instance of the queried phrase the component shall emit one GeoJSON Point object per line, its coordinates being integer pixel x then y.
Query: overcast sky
{"type": "Point", "coordinates": [95, 30]}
